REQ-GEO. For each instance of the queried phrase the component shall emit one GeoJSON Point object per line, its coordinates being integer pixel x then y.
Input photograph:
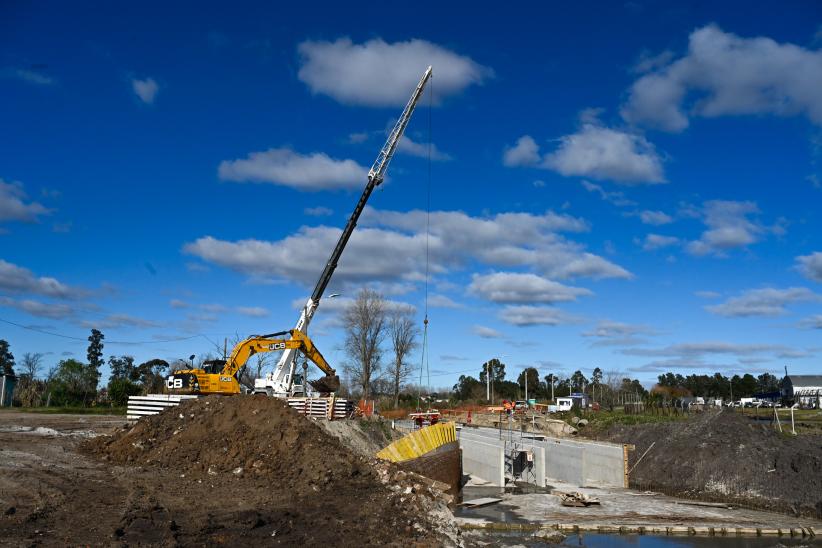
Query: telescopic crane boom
{"type": "Point", "coordinates": [279, 382]}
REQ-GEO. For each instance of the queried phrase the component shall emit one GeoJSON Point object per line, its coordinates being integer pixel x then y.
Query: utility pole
{"type": "Point", "coordinates": [553, 377]}
{"type": "Point", "coordinates": [526, 386]}
{"type": "Point", "coordinates": [488, 382]}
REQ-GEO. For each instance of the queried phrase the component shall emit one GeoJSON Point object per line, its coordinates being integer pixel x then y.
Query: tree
{"type": "Point", "coordinates": [70, 383]}
{"type": "Point", "coordinates": [94, 355]}
{"type": "Point", "coordinates": [6, 358]}
{"type": "Point", "coordinates": [533, 380]}
{"type": "Point", "coordinates": [403, 334]}
{"type": "Point", "coordinates": [31, 364]}
{"type": "Point", "coordinates": [596, 380]}
{"type": "Point", "coordinates": [497, 369]}
{"type": "Point", "coordinates": [364, 324]}
{"type": "Point", "coordinates": [121, 367]}
{"type": "Point", "coordinates": [578, 381]}
{"type": "Point", "coordinates": [469, 388]}
{"type": "Point", "coordinates": [150, 375]}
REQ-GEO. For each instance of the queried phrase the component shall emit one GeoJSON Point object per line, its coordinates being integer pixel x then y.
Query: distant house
{"type": "Point", "coordinates": [806, 390]}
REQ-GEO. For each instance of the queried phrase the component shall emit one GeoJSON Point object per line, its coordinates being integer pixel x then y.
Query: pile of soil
{"type": "Point", "coordinates": [725, 457]}
{"type": "Point", "coordinates": [249, 468]}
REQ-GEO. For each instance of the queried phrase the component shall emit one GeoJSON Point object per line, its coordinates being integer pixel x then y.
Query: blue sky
{"type": "Point", "coordinates": [631, 186]}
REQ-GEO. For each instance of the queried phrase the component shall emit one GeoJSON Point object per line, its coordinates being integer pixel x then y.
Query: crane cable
{"type": "Point", "coordinates": [424, 364]}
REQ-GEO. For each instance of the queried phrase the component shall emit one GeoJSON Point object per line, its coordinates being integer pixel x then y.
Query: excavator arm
{"type": "Point", "coordinates": [299, 341]}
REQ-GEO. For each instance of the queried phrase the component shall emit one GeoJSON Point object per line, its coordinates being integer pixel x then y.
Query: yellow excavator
{"type": "Point", "coordinates": [220, 376]}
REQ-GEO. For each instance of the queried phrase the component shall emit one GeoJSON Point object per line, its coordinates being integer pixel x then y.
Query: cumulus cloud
{"type": "Point", "coordinates": [283, 166]}
{"type": "Point", "coordinates": [655, 217]}
{"type": "Point", "coordinates": [116, 321]}
{"type": "Point", "coordinates": [614, 197]}
{"type": "Point", "coordinates": [420, 150]}
{"type": "Point", "coordinates": [435, 300]}
{"type": "Point", "coordinates": [15, 206]}
{"type": "Point", "coordinates": [610, 333]}
{"type": "Point", "coordinates": [146, 89]}
{"type": "Point", "coordinates": [527, 315]}
{"type": "Point", "coordinates": [318, 211]}
{"type": "Point", "coordinates": [253, 311]}
{"type": "Point", "coordinates": [812, 322]}
{"type": "Point", "coordinates": [763, 302]}
{"type": "Point", "coordinates": [514, 287]}
{"type": "Point", "coordinates": [657, 241]}
{"type": "Point", "coordinates": [16, 279]}
{"type": "Point", "coordinates": [729, 226]}
{"type": "Point", "coordinates": [524, 153]}
{"type": "Point", "coordinates": [486, 332]}
{"type": "Point", "coordinates": [725, 74]}
{"type": "Point", "coordinates": [177, 303]}
{"type": "Point", "coordinates": [390, 246]}
{"type": "Point", "coordinates": [31, 76]}
{"type": "Point", "coordinates": [594, 151]}
{"type": "Point", "coordinates": [55, 311]}
{"type": "Point", "coordinates": [381, 74]}
{"type": "Point", "coordinates": [693, 354]}
{"type": "Point", "coordinates": [811, 266]}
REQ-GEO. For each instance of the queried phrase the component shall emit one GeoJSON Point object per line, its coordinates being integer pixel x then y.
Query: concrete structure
{"type": "Point", "coordinates": [806, 390]}
{"type": "Point", "coordinates": [537, 459]}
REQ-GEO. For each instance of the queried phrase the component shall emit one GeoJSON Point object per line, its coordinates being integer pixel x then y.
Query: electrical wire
{"type": "Point", "coordinates": [83, 339]}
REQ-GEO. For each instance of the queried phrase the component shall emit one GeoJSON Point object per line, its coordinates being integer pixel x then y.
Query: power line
{"type": "Point", "coordinates": [83, 339]}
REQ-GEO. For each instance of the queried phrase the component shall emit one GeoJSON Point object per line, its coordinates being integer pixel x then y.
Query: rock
{"type": "Point", "coordinates": [549, 536]}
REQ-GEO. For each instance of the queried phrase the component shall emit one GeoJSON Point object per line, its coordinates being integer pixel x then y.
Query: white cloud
{"type": "Point", "coordinates": [648, 62]}
{"type": "Point", "coordinates": [655, 217]}
{"type": "Point", "coordinates": [380, 74]}
{"type": "Point", "coordinates": [763, 302]}
{"type": "Point", "coordinates": [318, 211]}
{"type": "Point", "coordinates": [594, 151]}
{"type": "Point", "coordinates": [16, 279]}
{"type": "Point", "coordinates": [14, 204]}
{"type": "Point", "coordinates": [36, 308]}
{"type": "Point", "coordinates": [177, 303]}
{"type": "Point", "coordinates": [526, 315]}
{"type": "Point", "coordinates": [614, 197]}
{"type": "Point", "coordinates": [724, 74]}
{"type": "Point", "coordinates": [283, 166]}
{"type": "Point", "coordinates": [812, 322]}
{"type": "Point", "coordinates": [390, 246]}
{"type": "Point", "coordinates": [658, 241]}
{"type": "Point", "coordinates": [33, 77]}
{"type": "Point", "coordinates": [420, 150]}
{"type": "Point", "coordinates": [707, 294]}
{"type": "Point", "coordinates": [514, 287]}
{"type": "Point", "coordinates": [728, 227]}
{"type": "Point", "coordinates": [524, 153]}
{"type": "Point", "coordinates": [436, 300]}
{"type": "Point", "coordinates": [116, 321]}
{"type": "Point", "coordinates": [604, 153]}
{"type": "Point", "coordinates": [358, 137]}
{"type": "Point", "coordinates": [146, 89]}
{"type": "Point", "coordinates": [610, 333]}
{"type": "Point", "coordinates": [811, 266]}
{"type": "Point", "coordinates": [486, 332]}
{"type": "Point", "coordinates": [253, 311]}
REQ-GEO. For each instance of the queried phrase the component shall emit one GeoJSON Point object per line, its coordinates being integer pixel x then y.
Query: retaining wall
{"type": "Point", "coordinates": [483, 459]}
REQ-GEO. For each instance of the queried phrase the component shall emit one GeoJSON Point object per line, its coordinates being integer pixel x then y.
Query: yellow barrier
{"type": "Point", "coordinates": [420, 442]}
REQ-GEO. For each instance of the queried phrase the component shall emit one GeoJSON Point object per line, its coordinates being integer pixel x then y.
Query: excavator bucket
{"type": "Point", "coordinates": [327, 384]}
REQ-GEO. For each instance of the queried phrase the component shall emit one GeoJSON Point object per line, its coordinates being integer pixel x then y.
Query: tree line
{"type": "Point", "coordinates": [716, 385]}
{"type": "Point", "coordinates": [71, 382]}
{"type": "Point", "coordinates": [609, 387]}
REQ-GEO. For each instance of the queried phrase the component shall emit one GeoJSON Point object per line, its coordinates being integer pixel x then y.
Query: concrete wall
{"type": "Point", "coordinates": [483, 459]}
{"type": "Point", "coordinates": [573, 461]}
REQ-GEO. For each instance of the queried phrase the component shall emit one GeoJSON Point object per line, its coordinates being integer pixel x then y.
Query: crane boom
{"type": "Point", "coordinates": [277, 384]}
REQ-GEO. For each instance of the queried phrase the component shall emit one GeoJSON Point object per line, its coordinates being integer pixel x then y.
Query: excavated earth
{"type": "Point", "coordinates": [231, 470]}
{"type": "Point", "coordinates": [726, 457]}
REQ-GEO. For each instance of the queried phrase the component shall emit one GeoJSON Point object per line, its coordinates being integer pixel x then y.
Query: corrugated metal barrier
{"type": "Point", "coordinates": [420, 442]}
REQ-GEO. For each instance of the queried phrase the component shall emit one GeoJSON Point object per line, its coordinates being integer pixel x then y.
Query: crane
{"type": "Point", "coordinates": [279, 382]}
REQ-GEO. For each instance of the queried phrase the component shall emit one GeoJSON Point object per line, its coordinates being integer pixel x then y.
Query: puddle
{"type": "Point", "coordinates": [43, 431]}
{"type": "Point", "coordinates": [650, 541]}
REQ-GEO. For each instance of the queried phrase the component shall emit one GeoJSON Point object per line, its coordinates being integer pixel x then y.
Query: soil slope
{"type": "Point", "coordinates": [250, 469]}
{"type": "Point", "coordinates": [724, 456]}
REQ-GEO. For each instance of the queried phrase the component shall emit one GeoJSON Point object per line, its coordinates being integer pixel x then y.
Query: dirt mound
{"type": "Point", "coordinates": [279, 473]}
{"type": "Point", "coordinates": [724, 456]}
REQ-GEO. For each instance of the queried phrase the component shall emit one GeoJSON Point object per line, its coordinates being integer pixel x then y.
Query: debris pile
{"type": "Point", "coordinates": [301, 483]}
{"type": "Point", "coordinates": [726, 457]}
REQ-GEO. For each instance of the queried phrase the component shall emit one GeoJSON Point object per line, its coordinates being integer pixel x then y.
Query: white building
{"type": "Point", "coordinates": [806, 390]}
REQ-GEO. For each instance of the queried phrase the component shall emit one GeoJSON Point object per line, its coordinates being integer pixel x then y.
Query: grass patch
{"type": "Point", "coordinates": [66, 410]}
{"type": "Point", "coordinates": [604, 420]}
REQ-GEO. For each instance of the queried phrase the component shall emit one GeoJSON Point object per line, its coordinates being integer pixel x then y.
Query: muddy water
{"type": "Point", "coordinates": [651, 541]}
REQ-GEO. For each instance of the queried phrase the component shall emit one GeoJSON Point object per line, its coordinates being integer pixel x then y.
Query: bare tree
{"type": "Point", "coordinates": [31, 364]}
{"type": "Point", "coordinates": [364, 322]}
{"type": "Point", "coordinates": [403, 334]}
